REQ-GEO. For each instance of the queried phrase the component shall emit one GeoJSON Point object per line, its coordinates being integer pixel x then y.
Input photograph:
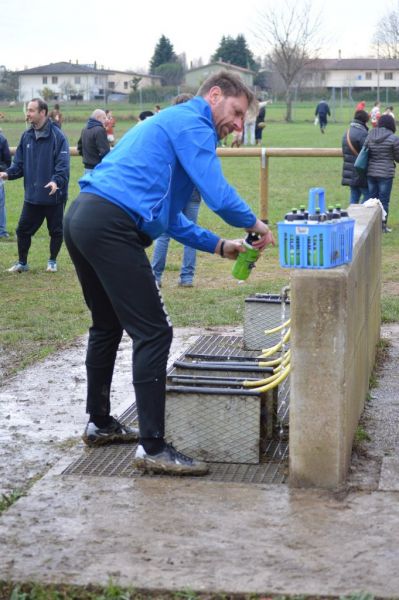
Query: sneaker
{"type": "Point", "coordinates": [169, 461]}
{"type": "Point", "coordinates": [18, 268]}
{"type": "Point", "coordinates": [386, 229]}
{"type": "Point", "coordinates": [186, 284]}
{"type": "Point", "coordinates": [5, 235]}
{"type": "Point", "coordinates": [114, 432]}
{"type": "Point", "coordinates": [51, 266]}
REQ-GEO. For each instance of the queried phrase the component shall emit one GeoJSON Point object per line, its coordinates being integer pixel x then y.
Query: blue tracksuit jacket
{"type": "Point", "coordinates": [153, 169]}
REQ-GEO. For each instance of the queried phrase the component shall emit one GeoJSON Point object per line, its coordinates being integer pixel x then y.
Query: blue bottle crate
{"type": "Point", "coordinates": [313, 245]}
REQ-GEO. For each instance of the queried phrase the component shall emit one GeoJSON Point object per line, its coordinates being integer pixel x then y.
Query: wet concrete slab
{"type": "Point", "coordinates": [176, 533]}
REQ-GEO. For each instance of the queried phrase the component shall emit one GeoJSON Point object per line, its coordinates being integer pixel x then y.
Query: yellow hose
{"type": "Point", "coordinates": [279, 328]}
{"type": "Point", "coordinates": [259, 382]}
{"type": "Point", "coordinates": [275, 382]}
{"type": "Point", "coordinates": [285, 361]}
{"type": "Point", "coordinates": [275, 362]}
{"type": "Point", "coordinates": [269, 351]}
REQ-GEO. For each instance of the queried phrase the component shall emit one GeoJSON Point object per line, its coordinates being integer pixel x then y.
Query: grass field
{"type": "Point", "coordinates": [42, 312]}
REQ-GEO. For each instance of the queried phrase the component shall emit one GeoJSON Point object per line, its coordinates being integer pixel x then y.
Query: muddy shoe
{"type": "Point", "coordinates": [114, 432]}
{"type": "Point", "coordinates": [169, 461]}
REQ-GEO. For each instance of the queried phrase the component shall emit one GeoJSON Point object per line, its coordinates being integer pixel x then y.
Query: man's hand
{"type": "Point", "coordinates": [3, 175]}
{"type": "Point", "coordinates": [229, 248]}
{"type": "Point", "coordinates": [53, 187]}
{"type": "Point", "coordinates": [266, 236]}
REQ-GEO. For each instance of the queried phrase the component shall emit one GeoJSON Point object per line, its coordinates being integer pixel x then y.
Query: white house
{"type": "Point", "coordinates": [357, 73]}
{"type": "Point", "coordinates": [195, 77]}
{"type": "Point", "coordinates": [69, 81]}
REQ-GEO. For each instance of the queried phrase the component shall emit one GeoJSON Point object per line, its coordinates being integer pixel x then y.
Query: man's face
{"type": "Point", "coordinates": [228, 111]}
{"type": "Point", "coordinates": [34, 116]}
{"type": "Point", "coordinates": [102, 117]}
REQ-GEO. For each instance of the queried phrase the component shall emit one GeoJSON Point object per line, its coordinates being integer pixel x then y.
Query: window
{"type": "Point", "coordinates": [96, 80]}
{"type": "Point", "coordinates": [54, 79]}
{"type": "Point", "coordinates": [125, 85]}
{"type": "Point", "coordinates": [388, 75]}
{"type": "Point", "coordinates": [44, 79]}
{"type": "Point", "coordinates": [111, 85]}
{"type": "Point", "coordinates": [77, 80]}
{"type": "Point", "coordinates": [369, 75]}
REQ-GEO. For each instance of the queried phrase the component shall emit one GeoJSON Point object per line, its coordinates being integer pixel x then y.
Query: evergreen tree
{"type": "Point", "coordinates": [235, 51]}
{"type": "Point", "coordinates": [163, 54]}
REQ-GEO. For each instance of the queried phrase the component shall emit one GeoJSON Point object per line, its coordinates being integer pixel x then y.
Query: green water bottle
{"type": "Point", "coordinates": [245, 261]}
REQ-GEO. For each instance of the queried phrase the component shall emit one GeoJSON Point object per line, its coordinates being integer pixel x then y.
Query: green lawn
{"type": "Point", "coordinates": [42, 311]}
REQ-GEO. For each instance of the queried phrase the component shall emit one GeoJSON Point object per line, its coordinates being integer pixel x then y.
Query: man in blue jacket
{"type": "Point", "coordinates": [136, 193]}
{"type": "Point", "coordinates": [42, 159]}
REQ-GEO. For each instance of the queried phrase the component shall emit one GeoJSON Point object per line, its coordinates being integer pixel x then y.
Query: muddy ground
{"type": "Point", "coordinates": [42, 409]}
{"type": "Point", "coordinates": [166, 533]}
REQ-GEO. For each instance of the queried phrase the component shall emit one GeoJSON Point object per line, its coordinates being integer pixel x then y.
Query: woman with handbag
{"type": "Point", "coordinates": [383, 154]}
{"type": "Point", "coordinates": [352, 143]}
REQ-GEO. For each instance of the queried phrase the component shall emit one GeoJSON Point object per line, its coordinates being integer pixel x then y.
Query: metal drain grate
{"type": "Point", "coordinates": [116, 461]}
{"type": "Point", "coordinates": [220, 346]}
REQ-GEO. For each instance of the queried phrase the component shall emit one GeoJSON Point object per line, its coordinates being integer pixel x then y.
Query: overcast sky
{"type": "Point", "coordinates": [122, 34]}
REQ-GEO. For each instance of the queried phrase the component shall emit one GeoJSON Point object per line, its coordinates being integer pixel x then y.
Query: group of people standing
{"type": "Point", "coordinates": [383, 153]}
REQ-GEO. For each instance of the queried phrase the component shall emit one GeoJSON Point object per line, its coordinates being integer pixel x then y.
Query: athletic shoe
{"type": "Point", "coordinates": [51, 266]}
{"type": "Point", "coordinates": [114, 432]}
{"type": "Point", "coordinates": [5, 235]}
{"type": "Point", "coordinates": [18, 268]}
{"type": "Point", "coordinates": [169, 461]}
{"type": "Point", "coordinates": [187, 284]}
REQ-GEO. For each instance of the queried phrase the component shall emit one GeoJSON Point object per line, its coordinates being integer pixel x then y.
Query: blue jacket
{"type": "Point", "coordinates": [40, 161]}
{"type": "Point", "coordinates": [153, 169]}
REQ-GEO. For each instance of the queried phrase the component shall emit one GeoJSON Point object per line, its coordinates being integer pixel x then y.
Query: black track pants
{"type": "Point", "coordinates": [120, 290]}
{"type": "Point", "coordinates": [31, 220]}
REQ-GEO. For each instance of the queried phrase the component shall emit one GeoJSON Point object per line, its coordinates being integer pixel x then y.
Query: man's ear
{"type": "Point", "coordinates": [215, 95]}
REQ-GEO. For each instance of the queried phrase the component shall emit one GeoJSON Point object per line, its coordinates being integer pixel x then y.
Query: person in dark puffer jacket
{"type": "Point", "coordinates": [357, 133]}
{"type": "Point", "coordinates": [383, 153]}
{"type": "Point", "coordinates": [93, 143]}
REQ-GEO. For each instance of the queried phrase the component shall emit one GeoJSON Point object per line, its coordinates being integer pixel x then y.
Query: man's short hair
{"type": "Point", "coordinates": [98, 112]}
{"type": "Point", "coordinates": [184, 97]}
{"type": "Point", "coordinates": [41, 104]}
{"type": "Point", "coordinates": [230, 84]}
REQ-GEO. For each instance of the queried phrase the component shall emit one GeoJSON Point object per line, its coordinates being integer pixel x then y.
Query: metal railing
{"type": "Point", "coordinates": [264, 154]}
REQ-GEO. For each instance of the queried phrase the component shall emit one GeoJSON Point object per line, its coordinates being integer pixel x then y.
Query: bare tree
{"type": "Point", "coordinates": [386, 36]}
{"type": "Point", "coordinates": [288, 35]}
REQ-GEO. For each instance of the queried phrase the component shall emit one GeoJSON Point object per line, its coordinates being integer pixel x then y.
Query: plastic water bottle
{"type": "Point", "coordinates": [292, 248]}
{"type": "Point", "coordinates": [315, 240]}
{"type": "Point", "coordinates": [245, 261]}
{"type": "Point", "coordinates": [344, 213]}
{"type": "Point", "coordinates": [303, 212]}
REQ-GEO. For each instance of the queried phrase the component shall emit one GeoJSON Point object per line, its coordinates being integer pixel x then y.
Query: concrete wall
{"type": "Point", "coordinates": [335, 328]}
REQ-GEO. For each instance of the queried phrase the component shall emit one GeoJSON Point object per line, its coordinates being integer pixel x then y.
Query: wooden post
{"type": "Point", "coordinates": [264, 187]}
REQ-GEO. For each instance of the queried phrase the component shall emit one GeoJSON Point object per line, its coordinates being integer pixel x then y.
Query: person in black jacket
{"type": "Point", "coordinates": [5, 161]}
{"type": "Point", "coordinates": [42, 159]}
{"type": "Point", "coordinates": [383, 154]}
{"type": "Point", "coordinates": [321, 112]}
{"type": "Point", "coordinates": [352, 143]}
{"type": "Point", "coordinates": [93, 143]}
